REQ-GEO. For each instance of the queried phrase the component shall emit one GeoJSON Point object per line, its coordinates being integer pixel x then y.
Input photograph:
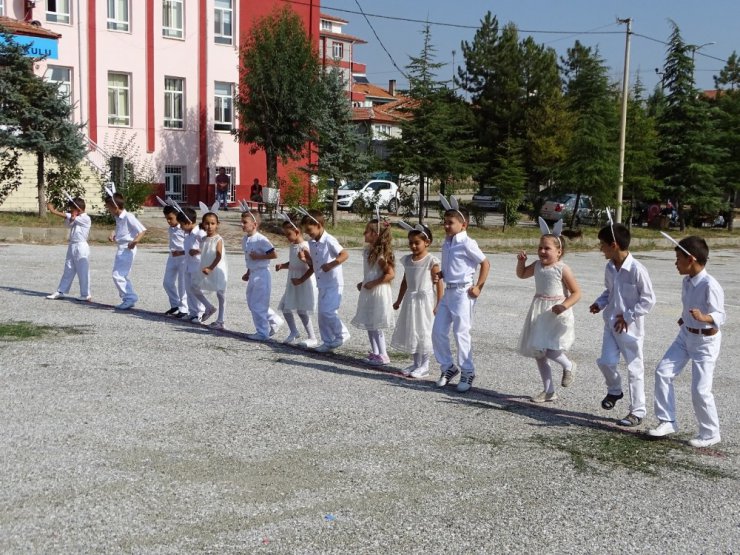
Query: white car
{"type": "Point", "coordinates": [385, 191]}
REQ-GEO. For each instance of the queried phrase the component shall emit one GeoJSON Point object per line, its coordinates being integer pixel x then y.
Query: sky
{"type": "Point", "coordinates": [593, 22]}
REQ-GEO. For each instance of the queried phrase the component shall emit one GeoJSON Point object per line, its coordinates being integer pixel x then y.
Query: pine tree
{"type": "Point", "coordinates": [728, 133]}
{"type": "Point", "coordinates": [641, 154]}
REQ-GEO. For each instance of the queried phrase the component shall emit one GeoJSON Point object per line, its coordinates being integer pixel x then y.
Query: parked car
{"type": "Point", "coordinates": [562, 206]}
{"type": "Point", "coordinates": [385, 190]}
{"type": "Point", "coordinates": [487, 198]}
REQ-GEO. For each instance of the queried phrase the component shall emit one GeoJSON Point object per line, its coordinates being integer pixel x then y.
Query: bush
{"type": "Point", "coordinates": [477, 214]}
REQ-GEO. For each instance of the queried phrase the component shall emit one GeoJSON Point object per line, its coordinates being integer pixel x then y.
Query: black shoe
{"type": "Point", "coordinates": [179, 314]}
{"type": "Point", "coordinates": [172, 311]}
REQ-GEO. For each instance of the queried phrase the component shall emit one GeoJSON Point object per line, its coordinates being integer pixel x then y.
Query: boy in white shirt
{"type": "Point", "coordinates": [628, 297]}
{"type": "Point", "coordinates": [174, 272]}
{"type": "Point", "coordinates": [698, 341]}
{"type": "Point", "coordinates": [461, 256]}
{"type": "Point", "coordinates": [258, 251]}
{"type": "Point", "coordinates": [77, 261]}
{"type": "Point", "coordinates": [191, 245]}
{"type": "Point", "coordinates": [129, 231]}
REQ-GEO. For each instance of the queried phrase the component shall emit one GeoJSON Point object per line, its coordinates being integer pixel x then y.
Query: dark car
{"type": "Point", "coordinates": [488, 199]}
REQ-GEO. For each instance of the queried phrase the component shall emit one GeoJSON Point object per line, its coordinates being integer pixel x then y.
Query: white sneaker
{"type": "Point", "coordinates": [216, 326]}
{"type": "Point", "coordinates": [466, 382]}
{"type": "Point", "coordinates": [447, 374]}
{"type": "Point", "coordinates": [308, 343]}
{"type": "Point", "coordinates": [84, 299]}
{"type": "Point", "coordinates": [408, 370]}
{"type": "Point", "coordinates": [699, 442]}
{"type": "Point", "coordinates": [207, 314]}
{"type": "Point", "coordinates": [55, 295]}
{"type": "Point", "coordinates": [568, 376]}
{"type": "Point", "coordinates": [421, 372]}
{"type": "Point", "coordinates": [544, 397]}
{"type": "Point", "coordinates": [257, 337]}
{"type": "Point", "coordinates": [292, 338]}
{"type": "Point", "coordinates": [379, 360]}
{"type": "Point", "coordinates": [663, 429]}
{"type": "Point", "coordinates": [125, 305]}
{"type": "Point", "coordinates": [275, 325]}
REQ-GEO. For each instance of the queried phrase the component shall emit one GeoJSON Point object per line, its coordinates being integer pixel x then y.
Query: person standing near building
{"type": "Point", "coordinates": [255, 194]}
{"type": "Point", "coordinates": [222, 189]}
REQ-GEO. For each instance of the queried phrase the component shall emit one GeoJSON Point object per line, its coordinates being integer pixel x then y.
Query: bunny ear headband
{"type": "Point", "coordinates": [452, 204]}
{"type": "Point", "coordinates": [556, 232]}
{"type": "Point", "coordinates": [417, 227]}
{"type": "Point", "coordinates": [285, 218]}
{"type": "Point", "coordinates": [672, 240]}
{"type": "Point", "coordinates": [303, 211]}
{"type": "Point", "coordinates": [70, 199]}
{"type": "Point", "coordinates": [213, 209]}
{"type": "Point", "coordinates": [173, 204]}
{"type": "Point", "coordinates": [110, 189]}
{"type": "Point", "coordinates": [246, 209]}
{"type": "Point", "coordinates": [611, 222]}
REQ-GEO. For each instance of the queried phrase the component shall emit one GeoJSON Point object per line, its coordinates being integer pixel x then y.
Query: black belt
{"type": "Point", "coordinates": [702, 331]}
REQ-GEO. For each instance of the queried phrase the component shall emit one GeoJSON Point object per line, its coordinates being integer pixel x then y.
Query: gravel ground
{"type": "Point", "coordinates": [130, 432]}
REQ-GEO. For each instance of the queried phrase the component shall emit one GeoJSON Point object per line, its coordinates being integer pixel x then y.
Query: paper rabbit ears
{"type": "Point", "coordinates": [418, 227]}
{"type": "Point", "coordinates": [283, 216]}
{"type": "Point", "coordinates": [173, 204]}
{"type": "Point", "coordinates": [110, 190]}
{"type": "Point", "coordinates": [71, 200]}
{"type": "Point", "coordinates": [451, 204]}
{"type": "Point", "coordinates": [678, 245]}
{"type": "Point", "coordinates": [213, 208]}
{"type": "Point", "coordinates": [557, 229]}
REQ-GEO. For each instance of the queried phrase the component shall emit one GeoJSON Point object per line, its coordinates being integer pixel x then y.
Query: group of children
{"type": "Point", "coordinates": [435, 296]}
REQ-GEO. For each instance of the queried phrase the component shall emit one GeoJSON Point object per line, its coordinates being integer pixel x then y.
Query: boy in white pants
{"type": "Point", "coordinates": [698, 341]}
{"type": "Point", "coordinates": [129, 231]}
{"type": "Point", "coordinates": [174, 271]}
{"type": "Point", "coordinates": [77, 261]}
{"type": "Point", "coordinates": [191, 245]}
{"type": "Point", "coordinates": [460, 258]}
{"type": "Point", "coordinates": [628, 297]}
{"type": "Point", "coordinates": [258, 251]}
{"type": "Point", "coordinates": [326, 256]}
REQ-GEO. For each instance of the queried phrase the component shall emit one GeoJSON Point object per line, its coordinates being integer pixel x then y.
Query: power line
{"type": "Point", "coordinates": [380, 41]}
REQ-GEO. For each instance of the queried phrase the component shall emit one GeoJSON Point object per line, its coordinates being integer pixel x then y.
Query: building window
{"type": "Point", "coordinates": [119, 99]}
{"type": "Point", "coordinates": [172, 19]}
{"type": "Point", "coordinates": [118, 19]}
{"type": "Point", "coordinates": [325, 25]}
{"type": "Point", "coordinates": [62, 76]}
{"type": "Point", "coordinates": [58, 11]}
{"type": "Point", "coordinates": [337, 50]}
{"type": "Point", "coordinates": [2, 7]}
{"type": "Point", "coordinates": [174, 177]}
{"type": "Point", "coordinates": [174, 102]}
{"type": "Point", "coordinates": [223, 102]}
{"type": "Point", "coordinates": [222, 21]}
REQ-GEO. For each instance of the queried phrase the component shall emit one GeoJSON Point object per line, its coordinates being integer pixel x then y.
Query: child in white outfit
{"type": "Point", "coordinates": [258, 251]}
{"type": "Point", "coordinates": [174, 272]}
{"type": "Point", "coordinates": [129, 231]}
{"type": "Point", "coordinates": [374, 312]}
{"type": "Point", "coordinates": [418, 299]}
{"type": "Point", "coordinates": [191, 245]}
{"type": "Point", "coordinates": [627, 298]}
{"type": "Point", "coordinates": [698, 341]}
{"type": "Point", "coordinates": [300, 289]}
{"type": "Point", "coordinates": [213, 270]}
{"type": "Point", "coordinates": [549, 326]}
{"type": "Point", "coordinates": [325, 256]}
{"type": "Point", "coordinates": [77, 261]}
{"type": "Point", "coordinates": [460, 258]}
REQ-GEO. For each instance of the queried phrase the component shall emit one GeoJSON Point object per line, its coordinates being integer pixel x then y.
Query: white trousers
{"type": "Point", "coordinates": [174, 283]}
{"type": "Point", "coordinates": [455, 311]}
{"type": "Point", "coordinates": [331, 328]}
{"type": "Point", "coordinates": [121, 269]}
{"type": "Point", "coordinates": [703, 352]}
{"type": "Point", "coordinates": [195, 307]}
{"type": "Point", "coordinates": [630, 347]}
{"type": "Point", "coordinates": [259, 288]}
{"type": "Point", "coordinates": [77, 263]}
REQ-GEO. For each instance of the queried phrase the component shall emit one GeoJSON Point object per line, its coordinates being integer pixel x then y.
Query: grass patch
{"type": "Point", "coordinates": [595, 449]}
{"type": "Point", "coordinates": [31, 219]}
{"type": "Point", "coordinates": [19, 331]}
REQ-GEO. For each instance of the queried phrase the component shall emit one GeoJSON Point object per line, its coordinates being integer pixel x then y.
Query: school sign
{"type": "Point", "coordinates": [39, 47]}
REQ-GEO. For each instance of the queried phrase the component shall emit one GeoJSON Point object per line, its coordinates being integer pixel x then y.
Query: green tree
{"type": "Point", "coordinates": [641, 153]}
{"type": "Point", "coordinates": [35, 118]}
{"type": "Point", "coordinates": [278, 99]}
{"type": "Point", "coordinates": [511, 181]}
{"type": "Point", "coordinates": [728, 133]}
{"type": "Point", "coordinates": [688, 155]}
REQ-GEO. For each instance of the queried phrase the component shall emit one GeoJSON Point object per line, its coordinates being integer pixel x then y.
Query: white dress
{"type": "Point", "coordinates": [217, 279]}
{"type": "Point", "coordinates": [543, 329]}
{"type": "Point", "coordinates": [374, 306]}
{"type": "Point", "coordinates": [413, 333]}
{"type": "Point", "coordinates": [298, 298]}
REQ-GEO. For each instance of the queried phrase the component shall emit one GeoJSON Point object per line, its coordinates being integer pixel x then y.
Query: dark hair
{"type": "Point", "coordinates": [77, 202]}
{"type": "Point", "coordinates": [187, 214]}
{"type": "Point", "coordinates": [116, 200]}
{"type": "Point", "coordinates": [290, 225]}
{"type": "Point", "coordinates": [255, 216]}
{"type": "Point", "coordinates": [203, 219]}
{"type": "Point", "coordinates": [316, 215]}
{"type": "Point", "coordinates": [559, 240]}
{"type": "Point", "coordinates": [621, 235]}
{"type": "Point", "coordinates": [418, 233]}
{"type": "Point", "coordinates": [461, 214]}
{"type": "Point", "coordinates": [167, 210]}
{"type": "Point", "coordinates": [697, 246]}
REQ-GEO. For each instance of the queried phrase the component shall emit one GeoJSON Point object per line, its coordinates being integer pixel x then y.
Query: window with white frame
{"type": "Point", "coordinates": [174, 178]}
{"type": "Point", "coordinates": [173, 19]}
{"type": "Point", "coordinates": [118, 15]}
{"type": "Point", "coordinates": [174, 102]}
{"type": "Point", "coordinates": [326, 25]}
{"type": "Point", "coordinates": [58, 11]}
{"type": "Point", "coordinates": [223, 106]}
{"type": "Point", "coordinates": [223, 18]}
{"type": "Point", "coordinates": [119, 99]}
{"type": "Point", "coordinates": [337, 50]}
{"type": "Point", "coordinates": [62, 76]}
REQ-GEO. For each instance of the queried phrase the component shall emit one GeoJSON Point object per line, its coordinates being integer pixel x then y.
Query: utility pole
{"type": "Point", "coordinates": [623, 123]}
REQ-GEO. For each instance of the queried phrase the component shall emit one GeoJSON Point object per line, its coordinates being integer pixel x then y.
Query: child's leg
{"type": "Point", "coordinates": [372, 336]}
{"type": "Point", "coordinates": [195, 305]}
{"type": "Point", "coordinates": [68, 275]}
{"type": "Point", "coordinates": [202, 300]}
{"type": "Point", "coordinates": [82, 264]}
{"type": "Point", "coordinates": [608, 362]}
{"type": "Point", "coordinates": [668, 368]}
{"type": "Point", "coordinates": [169, 282]}
{"type": "Point", "coordinates": [441, 333]}
{"type": "Point", "coordinates": [258, 300]}
{"type": "Point", "coordinates": [182, 290]}
{"type": "Point", "coordinates": [324, 315]}
{"type": "Point", "coordinates": [546, 374]}
{"type": "Point", "coordinates": [380, 340]}
{"type": "Point", "coordinates": [290, 320]}
{"type": "Point", "coordinates": [704, 358]}
{"type": "Point", "coordinates": [221, 296]}
{"type": "Point", "coordinates": [121, 268]}
{"type": "Point", "coordinates": [560, 358]}
{"type": "Point", "coordinates": [307, 324]}
{"type": "Point", "coordinates": [461, 324]}
{"type": "Point", "coordinates": [330, 325]}
{"type": "Point", "coordinates": [273, 320]}
{"type": "Point", "coordinates": [631, 348]}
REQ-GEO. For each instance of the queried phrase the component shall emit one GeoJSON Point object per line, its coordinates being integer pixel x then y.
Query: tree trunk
{"type": "Point", "coordinates": [422, 198]}
{"type": "Point", "coordinates": [40, 185]}
{"type": "Point", "coordinates": [272, 167]}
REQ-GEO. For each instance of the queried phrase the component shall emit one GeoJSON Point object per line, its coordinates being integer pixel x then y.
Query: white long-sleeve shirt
{"type": "Point", "coordinates": [705, 293]}
{"type": "Point", "coordinates": [628, 292]}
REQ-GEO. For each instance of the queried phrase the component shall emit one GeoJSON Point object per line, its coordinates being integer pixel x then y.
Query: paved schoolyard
{"type": "Point", "coordinates": [131, 432]}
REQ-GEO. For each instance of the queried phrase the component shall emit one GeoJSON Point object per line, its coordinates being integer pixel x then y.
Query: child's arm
{"type": "Point", "coordinates": [340, 259]}
{"type": "Point", "coordinates": [522, 271]}
{"type": "Point", "coordinates": [52, 210]}
{"type": "Point", "coordinates": [139, 236]}
{"type": "Point", "coordinates": [305, 256]}
{"type": "Point", "coordinates": [388, 274]}
{"type": "Point", "coordinates": [438, 285]}
{"type": "Point", "coordinates": [401, 293]}
{"type": "Point", "coordinates": [485, 266]}
{"type": "Point", "coordinates": [219, 253]}
{"type": "Point", "coordinates": [282, 266]}
{"type": "Point", "coordinates": [573, 288]}
{"type": "Point", "coordinates": [245, 277]}
{"type": "Point", "coordinates": [268, 255]}
{"type": "Point", "coordinates": [303, 278]}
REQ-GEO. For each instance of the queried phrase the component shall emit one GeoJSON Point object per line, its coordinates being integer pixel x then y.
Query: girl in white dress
{"type": "Point", "coordinates": [374, 312]}
{"type": "Point", "coordinates": [418, 298]}
{"type": "Point", "coordinates": [549, 327]}
{"type": "Point", "coordinates": [300, 289]}
{"type": "Point", "coordinates": [214, 271]}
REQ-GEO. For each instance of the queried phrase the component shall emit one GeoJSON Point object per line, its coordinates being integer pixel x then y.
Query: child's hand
{"type": "Point", "coordinates": [474, 292]}
{"type": "Point", "coordinates": [278, 267]}
{"type": "Point", "coordinates": [327, 267]}
{"type": "Point", "coordinates": [594, 309]}
{"type": "Point", "coordinates": [245, 277]}
{"type": "Point", "coordinates": [132, 245]}
{"type": "Point", "coordinates": [558, 309]}
{"type": "Point", "coordinates": [435, 310]}
{"type": "Point", "coordinates": [49, 206]}
{"type": "Point", "coordinates": [436, 277]}
{"type": "Point", "coordinates": [296, 281]}
{"type": "Point", "coordinates": [370, 284]}
{"type": "Point", "coordinates": [359, 286]}
{"type": "Point", "coordinates": [619, 324]}
{"type": "Point", "coordinates": [112, 237]}
{"type": "Point", "coordinates": [302, 256]}
{"type": "Point", "coordinates": [522, 256]}
{"type": "Point", "coordinates": [206, 270]}
{"type": "Point", "coordinates": [254, 256]}
{"type": "Point", "coordinates": [396, 305]}
{"type": "Point", "coordinates": [699, 316]}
